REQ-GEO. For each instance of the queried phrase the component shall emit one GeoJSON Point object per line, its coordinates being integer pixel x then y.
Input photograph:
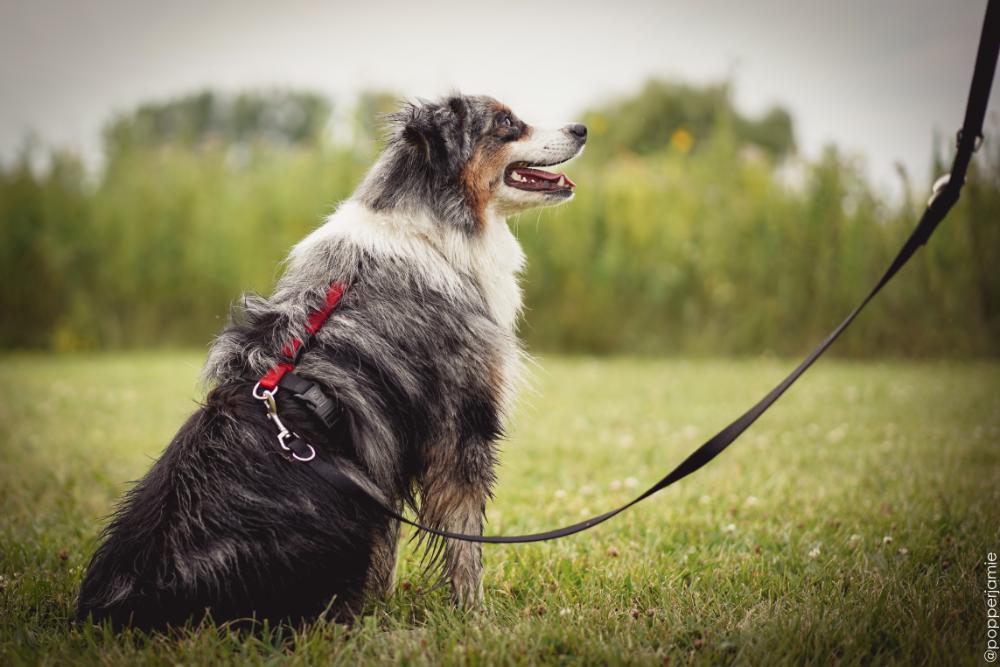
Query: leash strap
{"type": "Point", "coordinates": [946, 193]}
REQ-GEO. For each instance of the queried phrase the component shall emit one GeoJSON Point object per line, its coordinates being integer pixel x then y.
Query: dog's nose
{"type": "Point", "coordinates": [578, 130]}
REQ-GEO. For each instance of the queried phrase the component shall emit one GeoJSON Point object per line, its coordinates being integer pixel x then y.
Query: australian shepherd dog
{"type": "Point", "coordinates": [421, 355]}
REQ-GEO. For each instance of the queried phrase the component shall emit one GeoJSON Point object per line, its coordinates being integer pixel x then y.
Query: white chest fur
{"type": "Point", "coordinates": [496, 260]}
{"type": "Point", "coordinates": [445, 256]}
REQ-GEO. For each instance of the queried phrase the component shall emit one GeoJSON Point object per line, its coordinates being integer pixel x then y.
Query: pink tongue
{"type": "Point", "coordinates": [543, 175]}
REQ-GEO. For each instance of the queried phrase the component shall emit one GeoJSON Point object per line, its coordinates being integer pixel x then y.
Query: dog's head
{"type": "Point", "coordinates": [466, 156]}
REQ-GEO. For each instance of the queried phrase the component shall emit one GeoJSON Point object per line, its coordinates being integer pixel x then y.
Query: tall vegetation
{"type": "Point", "coordinates": [684, 116]}
{"type": "Point", "coordinates": [695, 229]}
{"type": "Point", "coordinates": [277, 118]}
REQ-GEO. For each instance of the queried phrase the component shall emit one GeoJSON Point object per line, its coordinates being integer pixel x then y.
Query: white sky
{"type": "Point", "coordinates": [875, 76]}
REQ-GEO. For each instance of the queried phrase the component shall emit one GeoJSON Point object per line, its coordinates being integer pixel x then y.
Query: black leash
{"type": "Point", "coordinates": [946, 193]}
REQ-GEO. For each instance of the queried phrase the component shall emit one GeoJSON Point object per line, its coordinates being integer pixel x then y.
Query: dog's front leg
{"type": "Point", "coordinates": [458, 506]}
{"type": "Point", "coordinates": [382, 571]}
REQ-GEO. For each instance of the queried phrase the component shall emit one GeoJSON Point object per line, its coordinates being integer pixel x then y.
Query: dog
{"type": "Point", "coordinates": [422, 357]}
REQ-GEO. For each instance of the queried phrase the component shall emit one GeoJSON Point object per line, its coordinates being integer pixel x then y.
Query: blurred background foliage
{"type": "Point", "coordinates": [642, 124]}
{"type": "Point", "coordinates": [696, 230]}
{"type": "Point", "coordinates": [278, 118]}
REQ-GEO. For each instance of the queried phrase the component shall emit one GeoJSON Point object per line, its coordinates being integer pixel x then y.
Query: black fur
{"type": "Point", "coordinates": [224, 523]}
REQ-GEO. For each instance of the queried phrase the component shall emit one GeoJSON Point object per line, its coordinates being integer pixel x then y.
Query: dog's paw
{"type": "Point", "coordinates": [467, 596]}
{"type": "Point", "coordinates": [380, 591]}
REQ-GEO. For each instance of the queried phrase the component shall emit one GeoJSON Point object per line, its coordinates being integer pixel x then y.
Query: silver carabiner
{"type": "Point", "coordinates": [282, 436]}
{"type": "Point", "coordinates": [267, 396]}
{"type": "Point", "coordinates": [282, 429]}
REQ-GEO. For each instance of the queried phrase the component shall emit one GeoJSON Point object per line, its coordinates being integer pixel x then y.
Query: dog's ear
{"type": "Point", "coordinates": [420, 131]}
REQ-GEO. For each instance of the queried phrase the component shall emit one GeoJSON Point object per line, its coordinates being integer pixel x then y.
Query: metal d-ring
{"type": "Point", "coordinates": [304, 459]}
{"type": "Point", "coordinates": [284, 435]}
{"type": "Point", "coordinates": [265, 395]}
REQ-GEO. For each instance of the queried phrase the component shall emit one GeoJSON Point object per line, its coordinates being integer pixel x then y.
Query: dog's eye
{"type": "Point", "coordinates": [507, 129]}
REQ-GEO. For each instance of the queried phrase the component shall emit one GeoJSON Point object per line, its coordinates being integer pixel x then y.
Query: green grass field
{"type": "Point", "coordinates": [849, 525]}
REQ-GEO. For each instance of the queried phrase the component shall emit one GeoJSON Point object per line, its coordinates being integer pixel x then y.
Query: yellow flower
{"type": "Point", "coordinates": [681, 140]}
{"type": "Point", "coordinates": [598, 124]}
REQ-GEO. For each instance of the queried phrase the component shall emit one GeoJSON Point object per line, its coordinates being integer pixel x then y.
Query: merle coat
{"type": "Point", "coordinates": [421, 354]}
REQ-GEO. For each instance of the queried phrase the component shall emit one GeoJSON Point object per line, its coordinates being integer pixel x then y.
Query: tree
{"type": "Point", "coordinates": [666, 114]}
{"type": "Point", "coordinates": [282, 118]}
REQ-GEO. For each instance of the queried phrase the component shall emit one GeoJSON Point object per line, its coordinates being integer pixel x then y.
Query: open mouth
{"type": "Point", "coordinates": [523, 177]}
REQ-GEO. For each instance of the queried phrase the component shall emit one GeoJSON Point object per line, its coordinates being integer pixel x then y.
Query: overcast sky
{"type": "Point", "coordinates": [875, 76]}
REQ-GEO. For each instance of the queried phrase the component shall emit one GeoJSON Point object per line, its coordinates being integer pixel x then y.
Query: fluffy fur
{"type": "Point", "coordinates": [421, 354]}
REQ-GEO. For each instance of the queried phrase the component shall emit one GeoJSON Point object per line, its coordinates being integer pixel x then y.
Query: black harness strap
{"type": "Point", "coordinates": [312, 397]}
{"type": "Point", "coordinates": [944, 197]}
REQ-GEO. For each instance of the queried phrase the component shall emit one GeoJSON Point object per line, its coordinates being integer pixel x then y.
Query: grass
{"type": "Point", "coordinates": [849, 525]}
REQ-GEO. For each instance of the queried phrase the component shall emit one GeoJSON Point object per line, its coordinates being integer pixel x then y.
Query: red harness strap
{"type": "Point", "coordinates": [314, 323]}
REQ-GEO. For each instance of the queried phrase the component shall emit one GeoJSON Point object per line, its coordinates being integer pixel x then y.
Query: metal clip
{"type": "Point", "coordinates": [282, 429]}
{"type": "Point", "coordinates": [267, 396]}
{"type": "Point", "coordinates": [270, 405]}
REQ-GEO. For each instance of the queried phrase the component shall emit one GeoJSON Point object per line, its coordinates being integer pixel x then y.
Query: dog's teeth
{"type": "Point", "coordinates": [562, 180]}
{"type": "Point", "coordinates": [516, 176]}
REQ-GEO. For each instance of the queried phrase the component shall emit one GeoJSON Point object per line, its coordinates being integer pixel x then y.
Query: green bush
{"type": "Point", "coordinates": [708, 243]}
